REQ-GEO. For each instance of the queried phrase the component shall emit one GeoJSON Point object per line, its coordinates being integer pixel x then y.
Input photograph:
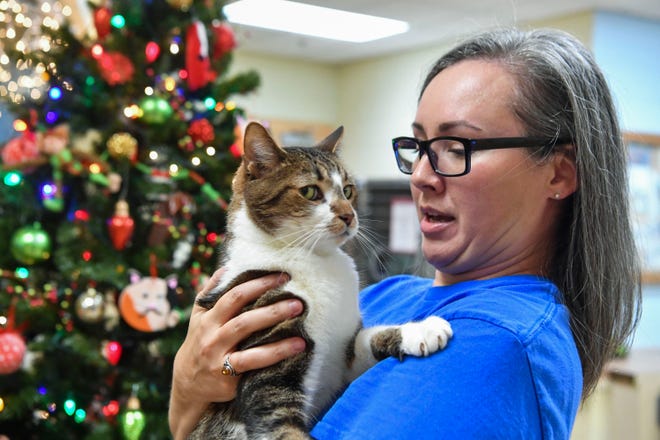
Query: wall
{"type": "Point", "coordinates": [290, 89]}
{"type": "Point", "coordinates": [627, 50]}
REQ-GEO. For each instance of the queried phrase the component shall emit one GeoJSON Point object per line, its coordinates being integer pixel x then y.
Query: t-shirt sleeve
{"type": "Point", "coordinates": [479, 387]}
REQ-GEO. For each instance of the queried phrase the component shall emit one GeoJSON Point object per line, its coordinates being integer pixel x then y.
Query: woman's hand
{"type": "Point", "coordinates": [212, 335]}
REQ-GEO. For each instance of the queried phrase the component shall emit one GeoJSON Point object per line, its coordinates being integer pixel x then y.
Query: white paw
{"type": "Point", "coordinates": [425, 337]}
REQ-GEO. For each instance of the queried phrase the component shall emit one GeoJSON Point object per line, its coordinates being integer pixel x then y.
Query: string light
{"type": "Point", "coordinates": [118, 21]}
{"type": "Point", "coordinates": [69, 407]}
{"type": "Point", "coordinates": [12, 178]}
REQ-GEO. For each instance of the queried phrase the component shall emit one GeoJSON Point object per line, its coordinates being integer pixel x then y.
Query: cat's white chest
{"type": "Point", "coordinates": [328, 283]}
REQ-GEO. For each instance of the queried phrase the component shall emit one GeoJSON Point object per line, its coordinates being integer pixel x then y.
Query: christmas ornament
{"type": "Point", "coordinates": [86, 143]}
{"type": "Point", "coordinates": [110, 311]}
{"type": "Point", "coordinates": [184, 5]}
{"type": "Point", "coordinates": [122, 146]}
{"type": "Point", "coordinates": [223, 39]}
{"type": "Point", "coordinates": [145, 303]}
{"type": "Point", "coordinates": [102, 17]}
{"type": "Point", "coordinates": [20, 149]}
{"type": "Point", "coordinates": [54, 140]}
{"type": "Point", "coordinates": [132, 420]}
{"type": "Point", "coordinates": [201, 130]}
{"type": "Point", "coordinates": [12, 350]}
{"type": "Point", "coordinates": [198, 63]}
{"type": "Point", "coordinates": [89, 306]}
{"type": "Point", "coordinates": [120, 226]}
{"type": "Point", "coordinates": [155, 110]}
{"type": "Point", "coordinates": [112, 352]}
{"type": "Point", "coordinates": [116, 68]}
{"type": "Point", "coordinates": [30, 244]}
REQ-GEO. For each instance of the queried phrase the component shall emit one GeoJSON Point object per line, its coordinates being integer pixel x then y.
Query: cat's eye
{"type": "Point", "coordinates": [311, 192]}
{"type": "Point", "coordinates": [348, 191]}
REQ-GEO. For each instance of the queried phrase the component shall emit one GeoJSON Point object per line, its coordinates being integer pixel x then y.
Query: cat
{"type": "Point", "coordinates": [291, 211]}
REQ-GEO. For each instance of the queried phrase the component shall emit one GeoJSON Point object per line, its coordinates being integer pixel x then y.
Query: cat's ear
{"type": "Point", "coordinates": [331, 143]}
{"type": "Point", "coordinates": [261, 153]}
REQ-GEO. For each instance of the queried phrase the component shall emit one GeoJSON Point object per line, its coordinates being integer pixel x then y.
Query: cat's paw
{"type": "Point", "coordinates": [425, 337]}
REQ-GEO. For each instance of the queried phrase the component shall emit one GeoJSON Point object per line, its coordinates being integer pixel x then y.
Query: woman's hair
{"type": "Point", "coordinates": [562, 93]}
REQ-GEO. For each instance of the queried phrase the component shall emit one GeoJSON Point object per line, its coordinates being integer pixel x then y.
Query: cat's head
{"type": "Point", "coordinates": [303, 197]}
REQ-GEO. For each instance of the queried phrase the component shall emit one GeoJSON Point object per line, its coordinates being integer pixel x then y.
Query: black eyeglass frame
{"type": "Point", "coordinates": [474, 145]}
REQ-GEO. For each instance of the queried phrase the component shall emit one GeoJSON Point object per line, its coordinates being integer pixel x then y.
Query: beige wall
{"type": "Point", "coordinates": [374, 99]}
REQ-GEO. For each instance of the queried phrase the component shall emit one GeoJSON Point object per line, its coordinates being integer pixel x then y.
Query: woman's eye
{"type": "Point", "coordinates": [311, 192]}
{"type": "Point", "coordinates": [348, 191]}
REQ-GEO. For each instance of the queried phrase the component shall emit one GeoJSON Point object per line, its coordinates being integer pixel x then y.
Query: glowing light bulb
{"type": "Point", "coordinates": [13, 178]}
{"type": "Point", "coordinates": [118, 21]}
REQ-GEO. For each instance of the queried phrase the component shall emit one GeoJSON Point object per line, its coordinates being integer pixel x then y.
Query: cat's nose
{"type": "Point", "coordinates": [347, 218]}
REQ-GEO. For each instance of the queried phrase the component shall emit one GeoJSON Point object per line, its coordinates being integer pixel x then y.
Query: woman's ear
{"type": "Point", "coordinates": [564, 180]}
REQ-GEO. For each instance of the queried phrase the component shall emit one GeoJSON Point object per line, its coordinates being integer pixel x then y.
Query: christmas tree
{"type": "Point", "coordinates": [113, 189]}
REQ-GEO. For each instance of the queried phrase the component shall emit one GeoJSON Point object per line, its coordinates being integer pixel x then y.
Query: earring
{"type": "Point", "coordinates": [557, 195]}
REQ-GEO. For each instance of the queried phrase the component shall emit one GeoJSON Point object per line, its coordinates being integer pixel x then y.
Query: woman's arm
{"type": "Point", "coordinates": [213, 334]}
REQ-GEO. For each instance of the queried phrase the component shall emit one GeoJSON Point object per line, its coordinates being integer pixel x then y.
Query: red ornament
{"type": "Point", "coordinates": [12, 351]}
{"type": "Point", "coordinates": [112, 352]}
{"type": "Point", "coordinates": [116, 68]}
{"type": "Point", "coordinates": [102, 18]}
{"type": "Point", "coordinates": [120, 226]}
{"type": "Point", "coordinates": [223, 40]}
{"type": "Point", "coordinates": [198, 64]}
{"type": "Point", "coordinates": [201, 130]}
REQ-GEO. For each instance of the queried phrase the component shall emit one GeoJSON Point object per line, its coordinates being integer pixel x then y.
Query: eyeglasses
{"type": "Point", "coordinates": [450, 156]}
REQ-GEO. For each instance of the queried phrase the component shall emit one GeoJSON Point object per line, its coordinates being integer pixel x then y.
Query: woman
{"type": "Point", "coordinates": [518, 173]}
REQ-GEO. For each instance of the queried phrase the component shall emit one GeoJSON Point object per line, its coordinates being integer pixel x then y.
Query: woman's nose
{"type": "Point", "coordinates": [423, 174]}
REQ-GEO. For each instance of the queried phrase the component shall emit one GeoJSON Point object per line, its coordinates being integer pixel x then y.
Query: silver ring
{"type": "Point", "coordinates": [227, 369]}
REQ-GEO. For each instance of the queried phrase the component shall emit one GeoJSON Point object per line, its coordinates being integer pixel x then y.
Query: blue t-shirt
{"type": "Point", "coordinates": [511, 371]}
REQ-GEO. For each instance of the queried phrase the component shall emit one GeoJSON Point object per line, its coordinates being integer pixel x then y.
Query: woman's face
{"type": "Point", "coordinates": [497, 219]}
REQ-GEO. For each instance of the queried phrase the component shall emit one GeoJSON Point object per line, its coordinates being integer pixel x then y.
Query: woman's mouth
{"type": "Point", "coordinates": [434, 221]}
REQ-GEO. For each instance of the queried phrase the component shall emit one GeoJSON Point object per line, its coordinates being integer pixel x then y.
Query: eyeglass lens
{"type": "Point", "coordinates": [446, 156]}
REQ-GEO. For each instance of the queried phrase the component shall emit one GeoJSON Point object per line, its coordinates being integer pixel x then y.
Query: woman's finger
{"type": "Point", "coordinates": [266, 355]}
{"type": "Point", "coordinates": [239, 296]}
{"type": "Point", "coordinates": [240, 327]}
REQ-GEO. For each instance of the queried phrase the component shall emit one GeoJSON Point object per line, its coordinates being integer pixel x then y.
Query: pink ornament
{"type": "Point", "coordinates": [151, 51]}
{"type": "Point", "coordinates": [112, 352]}
{"type": "Point", "coordinates": [12, 351]}
{"type": "Point", "coordinates": [20, 149]}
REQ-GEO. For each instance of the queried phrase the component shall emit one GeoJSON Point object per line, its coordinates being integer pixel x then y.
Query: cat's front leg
{"type": "Point", "coordinates": [413, 338]}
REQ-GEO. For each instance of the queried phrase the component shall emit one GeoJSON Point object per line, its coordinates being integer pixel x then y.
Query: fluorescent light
{"type": "Point", "coordinates": [317, 21]}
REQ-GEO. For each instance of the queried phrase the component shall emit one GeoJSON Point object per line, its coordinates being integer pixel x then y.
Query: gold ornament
{"type": "Point", "coordinates": [184, 5]}
{"type": "Point", "coordinates": [122, 145]}
{"type": "Point", "coordinates": [89, 306]}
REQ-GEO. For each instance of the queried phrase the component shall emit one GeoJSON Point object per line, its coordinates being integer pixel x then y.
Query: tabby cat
{"type": "Point", "coordinates": [291, 211]}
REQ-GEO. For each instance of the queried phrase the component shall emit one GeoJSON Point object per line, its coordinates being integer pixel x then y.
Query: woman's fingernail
{"type": "Point", "coordinates": [295, 307]}
{"type": "Point", "coordinates": [298, 345]}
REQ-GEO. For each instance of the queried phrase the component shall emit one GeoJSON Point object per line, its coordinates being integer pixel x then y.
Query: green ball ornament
{"type": "Point", "coordinates": [155, 110]}
{"type": "Point", "coordinates": [31, 244]}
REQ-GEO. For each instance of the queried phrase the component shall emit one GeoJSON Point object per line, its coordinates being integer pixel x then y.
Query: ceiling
{"type": "Point", "coordinates": [430, 21]}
